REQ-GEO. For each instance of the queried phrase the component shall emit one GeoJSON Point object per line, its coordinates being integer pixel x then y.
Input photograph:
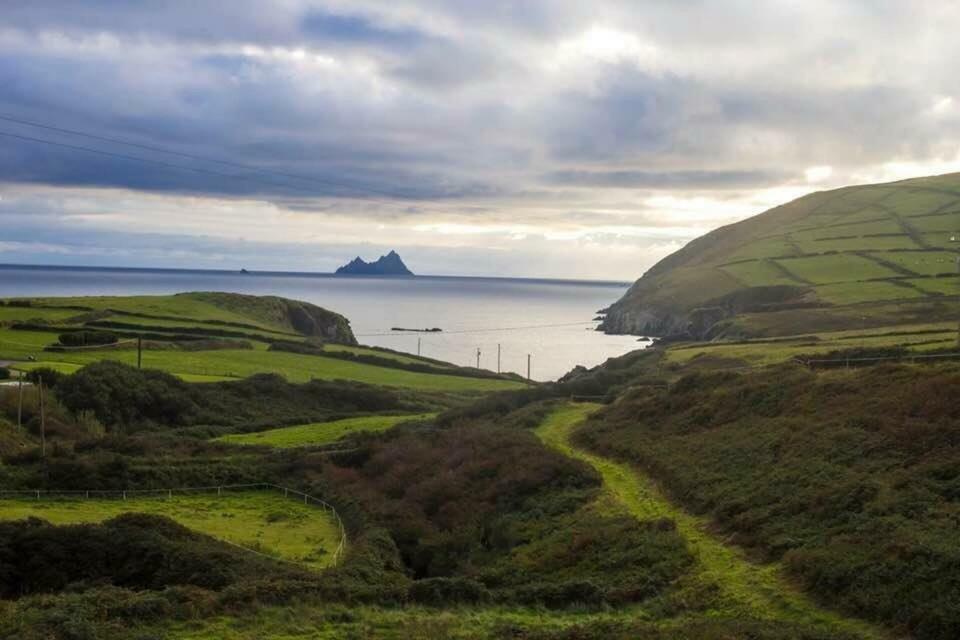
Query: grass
{"type": "Point", "coordinates": [856, 292]}
{"type": "Point", "coordinates": [25, 314]}
{"type": "Point", "coordinates": [758, 273]}
{"type": "Point", "coordinates": [759, 352]}
{"type": "Point", "coordinates": [924, 263]}
{"type": "Point", "coordinates": [838, 267]}
{"type": "Point", "coordinates": [332, 622]}
{"type": "Point", "coordinates": [319, 433]}
{"type": "Point", "coordinates": [943, 286]}
{"type": "Point", "coordinates": [366, 351]}
{"type": "Point", "coordinates": [184, 326]}
{"type": "Point", "coordinates": [231, 364]}
{"type": "Point", "coordinates": [817, 239]}
{"type": "Point", "coordinates": [189, 305]}
{"type": "Point", "coordinates": [760, 591]}
{"type": "Point", "coordinates": [263, 521]}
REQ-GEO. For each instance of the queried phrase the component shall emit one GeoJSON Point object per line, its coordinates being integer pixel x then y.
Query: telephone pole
{"type": "Point", "coordinates": [139, 352]}
{"type": "Point", "coordinates": [20, 400]}
{"type": "Point", "coordinates": [418, 346]}
{"type": "Point", "coordinates": [43, 420]}
{"type": "Point", "coordinates": [958, 295]}
{"type": "Point", "coordinates": [528, 367]}
{"type": "Point", "coordinates": [498, 357]}
{"type": "Point", "coordinates": [478, 357]}
{"type": "Point", "coordinates": [956, 238]}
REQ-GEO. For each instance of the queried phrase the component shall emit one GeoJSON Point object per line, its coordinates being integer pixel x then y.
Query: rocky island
{"type": "Point", "coordinates": [388, 265]}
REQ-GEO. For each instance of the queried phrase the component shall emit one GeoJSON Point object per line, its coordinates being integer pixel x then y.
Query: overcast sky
{"type": "Point", "coordinates": [530, 138]}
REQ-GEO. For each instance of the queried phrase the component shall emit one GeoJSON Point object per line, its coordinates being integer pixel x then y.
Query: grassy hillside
{"type": "Point", "coordinates": [845, 252]}
{"type": "Point", "coordinates": [320, 433]}
{"type": "Point", "coordinates": [850, 478]}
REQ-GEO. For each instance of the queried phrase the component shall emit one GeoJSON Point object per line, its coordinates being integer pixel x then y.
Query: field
{"type": "Point", "coordinates": [839, 249]}
{"type": "Point", "coordinates": [834, 268]}
{"type": "Point", "coordinates": [214, 320]}
{"type": "Point", "coordinates": [197, 307]}
{"type": "Point", "coordinates": [320, 433]}
{"type": "Point", "coordinates": [917, 338]}
{"type": "Point", "coordinates": [262, 521]}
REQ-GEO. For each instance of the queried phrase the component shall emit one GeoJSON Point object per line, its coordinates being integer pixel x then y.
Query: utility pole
{"type": "Point", "coordinates": [418, 346]}
{"type": "Point", "coordinates": [139, 352]}
{"type": "Point", "coordinates": [478, 357]}
{"type": "Point", "coordinates": [498, 357]}
{"type": "Point", "coordinates": [20, 400]}
{"type": "Point", "coordinates": [956, 238]}
{"type": "Point", "coordinates": [43, 420]}
{"type": "Point", "coordinates": [528, 367]}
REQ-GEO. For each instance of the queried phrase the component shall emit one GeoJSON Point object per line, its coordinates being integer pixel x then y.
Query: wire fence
{"type": "Point", "coordinates": [134, 494]}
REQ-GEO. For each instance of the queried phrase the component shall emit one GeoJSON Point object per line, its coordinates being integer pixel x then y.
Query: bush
{"type": "Point", "coordinates": [51, 378]}
{"type": "Point", "coordinates": [4, 373]}
{"type": "Point", "coordinates": [87, 338]}
{"type": "Point", "coordinates": [120, 395]}
{"type": "Point", "coordinates": [443, 591]}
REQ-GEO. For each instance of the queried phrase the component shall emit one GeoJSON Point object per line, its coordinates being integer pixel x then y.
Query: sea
{"type": "Point", "coordinates": [548, 324]}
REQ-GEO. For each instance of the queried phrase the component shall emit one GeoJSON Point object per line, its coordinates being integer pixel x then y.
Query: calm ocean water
{"type": "Point", "coordinates": [474, 313]}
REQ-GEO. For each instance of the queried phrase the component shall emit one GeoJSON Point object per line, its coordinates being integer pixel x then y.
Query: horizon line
{"type": "Point", "coordinates": [314, 274]}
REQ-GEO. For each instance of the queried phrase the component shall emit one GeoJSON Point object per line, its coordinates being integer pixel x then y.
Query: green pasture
{"type": "Point", "coordinates": [28, 314]}
{"type": "Point", "coordinates": [942, 286]}
{"type": "Point", "coordinates": [924, 263]}
{"type": "Point", "coordinates": [399, 357]}
{"type": "Point", "coordinates": [840, 267]}
{"type": "Point", "coordinates": [777, 247]}
{"type": "Point", "coordinates": [918, 202]}
{"type": "Point", "coordinates": [184, 326]}
{"type": "Point", "coordinates": [873, 222]}
{"type": "Point", "coordinates": [236, 363]}
{"type": "Point", "coordinates": [856, 292]}
{"type": "Point", "coordinates": [262, 521]}
{"type": "Point", "coordinates": [758, 273]}
{"type": "Point", "coordinates": [761, 353]}
{"type": "Point", "coordinates": [232, 363]}
{"type": "Point", "coordinates": [942, 222]}
{"type": "Point", "coordinates": [320, 433]}
{"type": "Point", "coordinates": [193, 306]}
{"type": "Point", "coordinates": [941, 240]}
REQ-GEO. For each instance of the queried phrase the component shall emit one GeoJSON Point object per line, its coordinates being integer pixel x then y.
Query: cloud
{"type": "Point", "coordinates": [457, 126]}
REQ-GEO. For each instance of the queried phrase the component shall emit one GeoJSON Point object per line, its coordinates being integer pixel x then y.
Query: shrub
{"type": "Point", "coordinates": [51, 378]}
{"type": "Point", "coordinates": [87, 338]}
{"type": "Point", "coordinates": [443, 591]}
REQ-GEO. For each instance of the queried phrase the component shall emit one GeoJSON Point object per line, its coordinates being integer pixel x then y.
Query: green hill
{"type": "Point", "coordinates": [822, 262]}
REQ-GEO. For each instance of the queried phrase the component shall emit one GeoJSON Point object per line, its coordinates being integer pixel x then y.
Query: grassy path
{"type": "Point", "coordinates": [760, 591]}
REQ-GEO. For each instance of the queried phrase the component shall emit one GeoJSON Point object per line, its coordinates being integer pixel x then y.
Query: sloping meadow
{"type": "Point", "coordinates": [851, 477]}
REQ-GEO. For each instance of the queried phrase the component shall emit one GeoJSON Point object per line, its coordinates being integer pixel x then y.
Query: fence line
{"type": "Point", "coordinates": [128, 494]}
{"type": "Point", "coordinates": [906, 356]}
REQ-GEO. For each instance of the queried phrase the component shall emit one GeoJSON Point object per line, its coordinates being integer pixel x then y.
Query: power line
{"type": "Point", "coordinates": [201, 158]}
{"type": "Point", "coordinates": [161, 163]}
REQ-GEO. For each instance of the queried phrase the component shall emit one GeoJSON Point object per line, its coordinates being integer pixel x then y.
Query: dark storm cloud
{"type": "Point", "coordinates": [517, 114]}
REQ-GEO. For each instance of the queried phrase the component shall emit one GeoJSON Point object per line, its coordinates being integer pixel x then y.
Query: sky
{"type": "Point", "coordinates": [503, 138]}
